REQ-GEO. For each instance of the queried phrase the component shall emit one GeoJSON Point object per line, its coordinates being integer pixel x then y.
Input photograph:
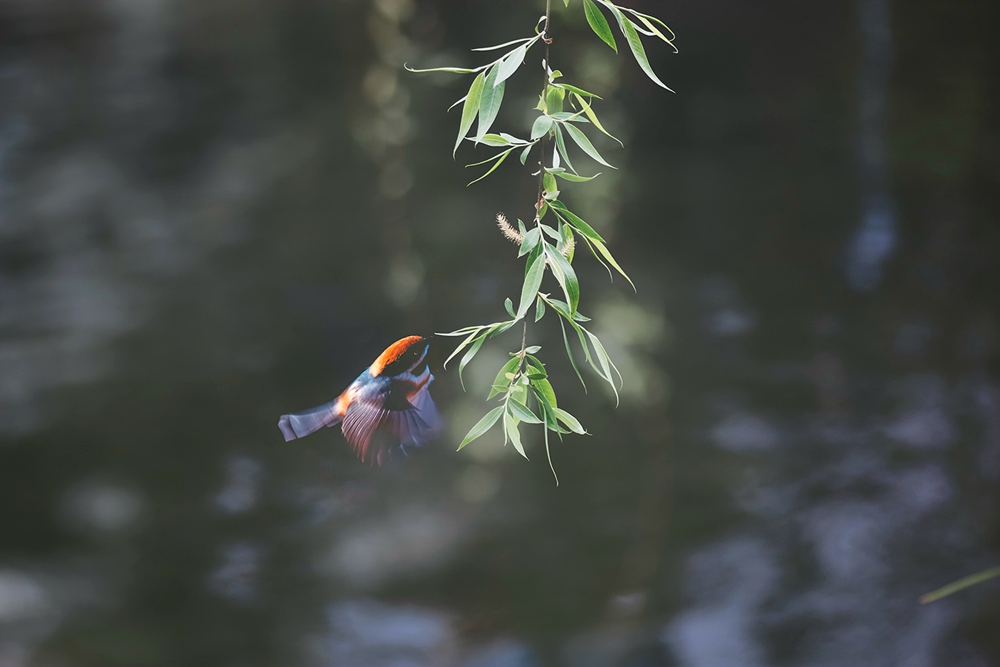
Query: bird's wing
{"type": "Point", "coordinates": [376, 421]}
{"type": "Point", "coordinates": [303, 423]}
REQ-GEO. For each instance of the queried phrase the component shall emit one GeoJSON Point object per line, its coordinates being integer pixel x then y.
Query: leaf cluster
{"type": "Point", "coordinates": [522, 387]}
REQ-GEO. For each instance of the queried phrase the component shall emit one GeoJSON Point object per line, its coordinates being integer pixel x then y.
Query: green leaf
{"type": "Point", "coordinates": [457, 102]}
{"type": "Point", "coordinates": [535, 363]}
{"type": "Point", "coordinates": [605, 361]}
{"type": "Point", "coordinates": [539, 310]}
{"type": "Point", "coordinates": [484, 425]}
{"type": "Point", "coordinates": [648, 20]}
{"type": "Point", "coordinates": [554, 97]}
{"type": "Point", "coordinates": [532, 281]}
{"type": "Point", "coordinates": [489, 103]}
{"type": "Point", "coordinates": [529, 242]}
{"type": "Point", "coordinates": [589, 111]}
{"type": "Point", "coordinates": [460, 332]}
{"type": "Point", "coordinates": [569, 353]}
{"type": "Point", "coordinates": [462, 345]}
{"type": "Point", "coordinates": [564, 273]}
{"type": "Point", "coordinates": [578, 223]}
{"type": "Point", "coordinates": [561, 147]}
{"type": "Point", "coordinates": [509, 305]}
{"type": "Point", "coordinates": [540, 127]}
{"type": "Point", "coordinates": [451, 70]}
{"type": "Point", "coordinates": [470, 109]}
{"type": "Point", "coordinates": [956, 586]}
{"type": "Point", "coordinates": [574, 178]}
{"type": "Point", "coordinates": [578, 91]}
{"type": "Point", "coordinates": [494, 140]}
{"type": "Point", "coordinates": [502, 156]}
{"type": "Point", "coordinates": [510, 429]}
{"type": "Point", "coordinates": [510, 43]}
{"type": "Point", "coordinates": [500, 383]}
{"type": "Point", "coordinates": [478, 343]}
{"type": "Point", "coordinates": [510, 63]}
{"type": "Point", "coordinates": [599, 24]}
{"type": "Point", "coordinates": [512, 139]}
{"type": "Point", "coordinates": [522, 412]}
{"type": "Point", "coordinates": [543, 389]}
{"type": "Point", "coordinates": [571, 422]}
{"type": "Point", "coordinates": [611, 260]}
{"type": "Point", "coordinates": [532, 349]}
{"type": "Point", "coordinates": [634, 43]}
{"type": "Point", "coordinates": [583, 142]}
{"type": "Point", "coordinates": [548, 453]}
{"type": "Point", "coordinates": [524, 153]}
{"type": "Point", "coordinates": [549, 183]}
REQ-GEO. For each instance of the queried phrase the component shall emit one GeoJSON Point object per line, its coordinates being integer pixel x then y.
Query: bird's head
{"type": "Point", "coordinates": [403, 356]}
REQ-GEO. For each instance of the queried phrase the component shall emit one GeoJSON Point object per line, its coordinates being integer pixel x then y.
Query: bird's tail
{"type": "Point", "coordinates": [308, 421]}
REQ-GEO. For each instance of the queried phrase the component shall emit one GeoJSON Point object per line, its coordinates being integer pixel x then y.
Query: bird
{"type": "Point", "coordinates": [388, 407]}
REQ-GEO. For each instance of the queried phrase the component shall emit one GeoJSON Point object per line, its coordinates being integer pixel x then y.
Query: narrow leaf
{"type": "Point", "coordinates": [539, 310]}
{"type": "Point", "coordinates": [648, 21]}
{"type": "Point", "coordinates": [561, 147]}
{"type": "Point", "coordinates": [510, 63]}
{"type": "Point", "coordinates": [574, 178]}
{"type": "Point", "coordinates": [510, 43]}
{"type": "Point", "coordinates": [462, 346]}
{"type": "Point", "coordinates": [578, 91]}
{"type": "Point", "coordinates": [548, 452]}
{"type": "Point", "coordinates": [569, 353]}
{"type": "Point", "coordinates": [549, 183]}
{"type": "Point", "coordinates": [524, 153]}
{"type": "Point", "coordinates": [451, 70]}
{"type": "Point", "coordinates": [509, 305]}
{"type": "Point", "coordinates": [484, 425]}
{"type": "Point", "coordinates": [554, 97]}
{"type": "Point", "coordinates": [489, 103]}
{"type": "Point", "coordinates": [500, 383]}
{"type": "Point", "coordinates": [634, 43]}
{"type": "Point", "coordinates": [470, 109]}
{"type": "Point", "coordinates": [571, 422]}
{"type": "Point", "coordinates": [599, 24]}
{"type": "Point", "coordinates": [494, 140]}
{"type": "Point", "coordinates": [503, 156]}
{"type": "Point", "coordinates": [544, 390]}
{"type": "Point", "coordinates": [478, 343]}
{"type": "Point", "coordinates": [529, 242]}
{"type": "Point", "coordinates": [566, 276]}
{"type": "Point", "coordinates": [532, 281]}
{"type": "Point", "coordinates": [510, 427]}
{"type": "Point", "coordinates": [605, 361]}
{"type": "Point", "coordinates": [540, 127]}
{"type": "Point", "coordinates": [611, 260]}
{"type": "Point", "coordinates": [956, 586]}
{"type": "Point", "coordinates": [575, 221]}
{"type": "Point", "coordinates": [589, 111]}
{"type": "Point", "coordinates": [583, 142]}
{"type": "Point", "coordinates": [522, 412]}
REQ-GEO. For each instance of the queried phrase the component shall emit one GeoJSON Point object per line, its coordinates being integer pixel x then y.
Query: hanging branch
{"type": "Point", "coordinates": [522, 385]}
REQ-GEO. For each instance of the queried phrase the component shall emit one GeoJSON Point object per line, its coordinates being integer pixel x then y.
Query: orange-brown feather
{"type": "Point", "coordinates": [392, 353]}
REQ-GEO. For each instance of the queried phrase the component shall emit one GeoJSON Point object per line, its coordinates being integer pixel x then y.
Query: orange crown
{"type": "Point", "coordinates": [392, 353]}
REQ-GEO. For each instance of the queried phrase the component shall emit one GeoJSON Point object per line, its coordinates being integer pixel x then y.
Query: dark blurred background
{"type": "Point", "coordinates": [216, 211]}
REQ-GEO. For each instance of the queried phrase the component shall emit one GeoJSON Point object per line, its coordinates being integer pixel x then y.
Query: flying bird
{"type": "Point", "coordinates": [388, 406]}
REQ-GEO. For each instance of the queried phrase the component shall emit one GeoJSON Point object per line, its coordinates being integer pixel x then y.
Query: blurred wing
{"type": "Point", "coordinates": [303, 423]}
{"type": "Point", "coordinates": [373, 427]}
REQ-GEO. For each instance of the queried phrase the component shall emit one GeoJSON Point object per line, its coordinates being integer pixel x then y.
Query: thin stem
{"type": "Point", "coordinates": [545, 84]}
